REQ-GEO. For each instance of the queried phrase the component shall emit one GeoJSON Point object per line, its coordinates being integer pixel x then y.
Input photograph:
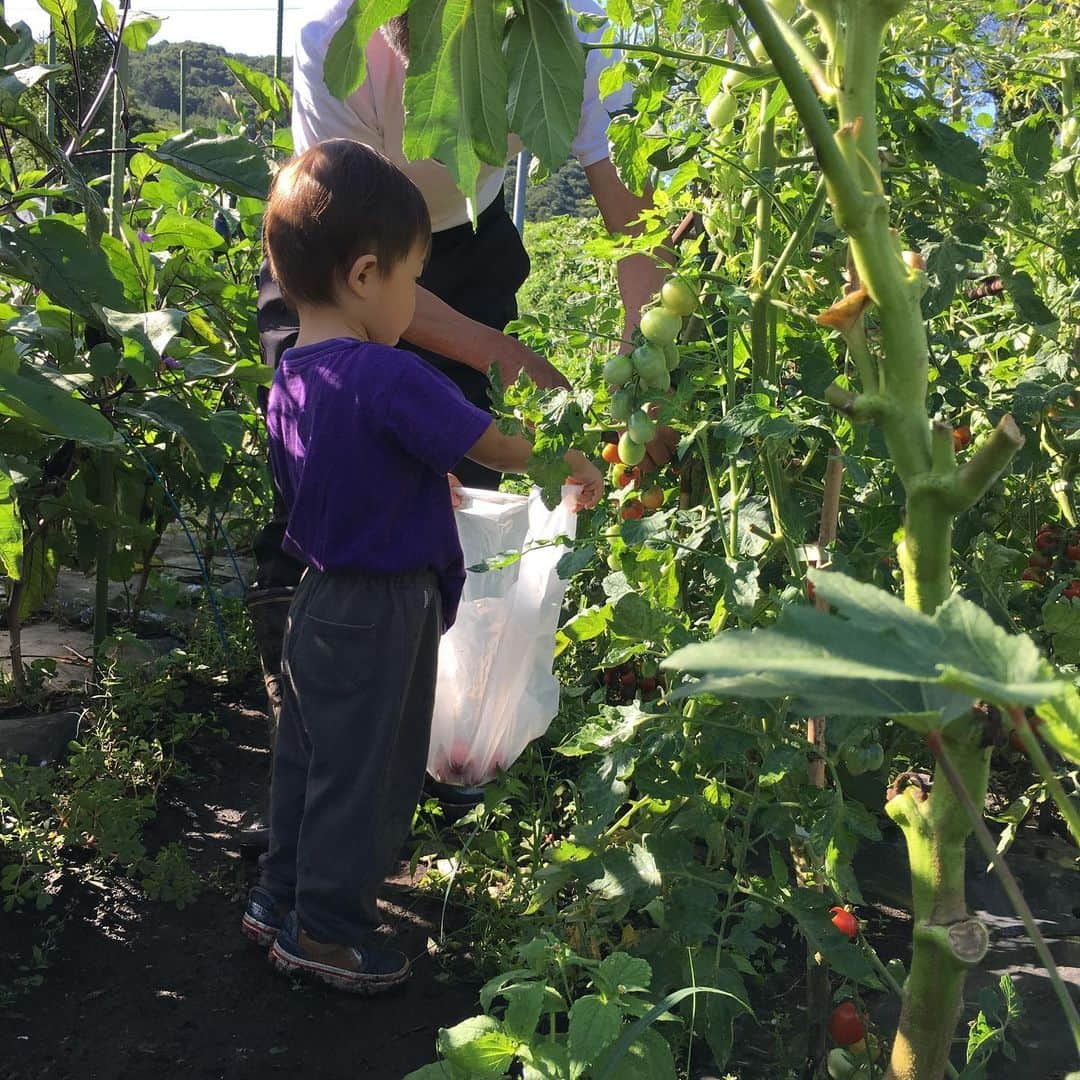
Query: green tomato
{"type": "Point", "coordinates": [661, 382]}
{"type": "Point", "coordinates": [660, 327]}
{"type": "Point", "coordinates": [843, 1066]}
{"type": "Point", "coordinates": [734, 78]}
{"type": "Point", "coordinates": [642, 428]}
{"type": "Point", "coordinates": [671, 356]}
{"type": "Point", "coordinates": [875, 757]}
{"type": "Point", "coordinates": [721, 111]}
{"type": "Point", "coordinates": [649, 361]}
{"type": "Point", "coordinates": [784, 8]}
{"type": "Point", "coordinates": [677, 297]}
{"type": "Point", "coordinates": [757, 50]}
{"type": "Point", "coordinates": [630, 452]}
{"type": "Point", "coordinates": [622, 405]}
{"type": "Point", "coordinates": [617, 371]}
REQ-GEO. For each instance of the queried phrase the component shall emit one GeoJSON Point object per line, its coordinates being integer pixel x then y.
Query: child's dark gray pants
{"type": "Point", "coordinates": [359, 665]}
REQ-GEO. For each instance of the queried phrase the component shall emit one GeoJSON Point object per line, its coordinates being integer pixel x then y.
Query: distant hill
{"type": "Point", "coordinates": [155, 81]}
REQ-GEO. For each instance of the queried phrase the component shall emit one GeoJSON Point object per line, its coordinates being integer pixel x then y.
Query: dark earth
{"type": "Point", "coordinates": [136, 989]}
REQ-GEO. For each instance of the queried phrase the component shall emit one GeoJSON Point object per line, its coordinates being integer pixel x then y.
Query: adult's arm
{"type": "Point", "coordinates": [640, 276]}
{"type": "Point", "coordinates": [438, 327]}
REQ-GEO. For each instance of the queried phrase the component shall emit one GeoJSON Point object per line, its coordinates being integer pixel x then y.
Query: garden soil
{"type": "Point", "coordinates": [135, 989]}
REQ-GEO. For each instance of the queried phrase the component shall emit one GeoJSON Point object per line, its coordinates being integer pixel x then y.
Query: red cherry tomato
{"type": "Point", "coordinates": [961, 436]}
{"type": "Point", "coordinates": [1073, 552]}
{"type": "Point", "coordinates": [632, 510]}
{"type": "Point", "coordinates": [1031, 574]}
{"type": "Point", "coordinates": [1042, 562]}
{"type": "Point", "coordinates": [1046, 541]}
{"type": "Point", "coordinates": [845, 922]}
{"type": "Point", "coordinates": [844, 1025]}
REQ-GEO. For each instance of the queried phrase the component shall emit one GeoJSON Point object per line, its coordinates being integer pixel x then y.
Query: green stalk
{"type": "Point", "coordinates": [1031, 744]}
{"type": "Point", "coordinates": [762, 360]}
{"type": "Point", "coordinates": [946, 939]}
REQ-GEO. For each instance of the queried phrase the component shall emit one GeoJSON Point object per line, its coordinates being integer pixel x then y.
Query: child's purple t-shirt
{"type": "Point", "coordinates": [361, 439]}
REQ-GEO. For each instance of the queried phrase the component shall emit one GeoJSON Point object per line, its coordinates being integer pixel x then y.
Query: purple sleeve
{"type": "Point", "coordinates": [428, 416]}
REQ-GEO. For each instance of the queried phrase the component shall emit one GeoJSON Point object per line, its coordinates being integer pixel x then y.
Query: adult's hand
{"type": "Point", "coordinates": [661, 450]}
{"type": "Point", "coordinates": [515, 357]}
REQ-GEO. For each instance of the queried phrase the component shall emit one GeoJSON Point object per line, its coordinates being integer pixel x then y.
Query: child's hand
{"type": "Point", "coordinates": [455, 490]}
{"type": "Point", "coordinates": [589, 478]}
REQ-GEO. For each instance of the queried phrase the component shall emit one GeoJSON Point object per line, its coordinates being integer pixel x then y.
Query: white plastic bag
{"type": "Point", "coordinates": [496, 691]}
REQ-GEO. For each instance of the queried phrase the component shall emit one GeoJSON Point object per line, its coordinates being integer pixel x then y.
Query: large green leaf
{"type": "Point", "coordinates": [547, 66]}
{"type": "Point", "coordinates": [73, 21]}
{"type": "Point", "coordinates": [346, 59]}
{"type": "Point", "coordinates": [229, 161]}
{"type": "Point", "coordinates": [875, 655]}
{"type": "Point", "coordinates": [193, 424]}
{"type": "Point", "coordinates": [455, 92]}
{"type": "Point", "coordinates": [153, 330]}
{"type": "Point", "coordinates": [14, 85]}
{"type": "Point", "coordinates": [139, 30]}
{"type": "Point", "coordinates": [1061, 727]}
{"type": "Point", "coordinates": [594, 1025]}
{"type": "Point", "coordinates": [59, 259]}
{"type": "Point", "coordinates": [479, 1047]}
{"type": "Point", "coordinates": [950, 150]}
{"type": "Point", "coordinates": [270, 94]}
{"type": "Point", "coordinates": [11, 538]}
{"type": "Point", "coordinates": [52, 409]}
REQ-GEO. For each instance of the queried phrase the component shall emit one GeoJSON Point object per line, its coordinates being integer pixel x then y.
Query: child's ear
{"type": "Point", "coordinates": [361, 274]}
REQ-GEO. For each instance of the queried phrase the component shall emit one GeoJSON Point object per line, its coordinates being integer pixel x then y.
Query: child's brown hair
{"type": "Point", "coordinates": [335, 202]}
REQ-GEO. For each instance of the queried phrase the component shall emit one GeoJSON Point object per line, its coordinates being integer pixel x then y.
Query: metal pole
{"type": "Point", "coordinates": [521, 180]}
{"type": "Point", "coordinates": [280, 38]}
{"type": "Point", "coordinates": [183, 90]}
{"type": "Point", "coordinates": [50, 115]}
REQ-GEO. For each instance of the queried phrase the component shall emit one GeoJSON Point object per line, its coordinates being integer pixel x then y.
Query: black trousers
{"type": "Point", "coordinates": [478, 273]}
{"type": "Point", "coordinates": [360, 662]}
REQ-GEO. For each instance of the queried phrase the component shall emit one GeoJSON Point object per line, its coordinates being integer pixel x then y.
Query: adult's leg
{"type": "Point", "coordinates": [277, 573]}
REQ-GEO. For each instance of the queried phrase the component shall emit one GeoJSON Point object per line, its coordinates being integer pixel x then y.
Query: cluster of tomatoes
{"type": "Point", "coordinates": [625, 681]}
{"type": "Point", "coordinates": [855, 1050]}
{"type": "Point", "coordinates": [650, 495]}
{"type": "Point", "coordinates": [1054, 548]}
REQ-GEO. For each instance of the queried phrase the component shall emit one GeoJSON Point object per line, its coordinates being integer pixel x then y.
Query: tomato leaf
{"type": "Point", "coordinates": [875, 655]}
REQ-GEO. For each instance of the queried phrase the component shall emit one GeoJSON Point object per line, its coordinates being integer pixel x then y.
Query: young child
{"type": "Point", "coordinates": [362, 437]}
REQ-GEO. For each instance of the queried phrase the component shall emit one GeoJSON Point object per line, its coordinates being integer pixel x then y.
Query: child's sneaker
{"type": "Point", "coordinates": [263, 917]}
{"type": "Point", "coordinates": [367, 969]}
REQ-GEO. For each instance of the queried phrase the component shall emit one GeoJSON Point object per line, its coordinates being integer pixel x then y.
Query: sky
{"type": "Point", "coordinates": [243, 26]}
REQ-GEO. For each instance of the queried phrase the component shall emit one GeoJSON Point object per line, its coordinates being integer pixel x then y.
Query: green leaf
{"type": "Point", "coordinates": [479, 1047]}
{"type": "Point", "coordinates": [524, 1005]}
{"type": "Point", "coordinates": [40, 570]}
{"type": "Point", "coordinates": [1061, 722]}
{"type": "Point", "coordinates": [1032, 144]}
{"type": "Point", "coordinates": [620, 972]}
{"type": "Point", "coordinates": [13, 86]}
{"type": "Point", "coordinates": [174, 229]}
{"type": "Point", "coordinates": [191, 424]}
{"type": "Point", "coordinates": [140, 29]}
{"type": "Point", "coordinates": [346, 58]}
{"type": "Point", "coordinates": [270, 95]}
{"type": "Point", "coordinates": [1027, 302]}
{"type": "Point", "coordinates": [59, 259]}
{"type": "Point", "coordinates": [950, 150]}
{"type": "Point", "coordinates": [630, 1034]}
{"type": "Point", "coordinates": [154, 330]}
{"type": "Point", "coordinates": [547, 79]}
{"type": "Point", "coordinates": [455, 91]}
{"type": "Point", "coordinates": [11, 533]}
{"type": "Point", "coordinates": [53, 409]}
{"type": "Point", "coordinates": [594, 1025]}
{"type": "Point", "coordinates": [588, 624]}
{"type": "Point", "coordinates": [73, 21]}
{"type": "Point", "coordinates": [229, 161]}
{"type": "Point", "coordinates": [874, 656]}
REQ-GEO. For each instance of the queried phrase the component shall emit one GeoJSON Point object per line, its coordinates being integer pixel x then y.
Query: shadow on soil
{"type": "Point", "coordinates": [136, 989]}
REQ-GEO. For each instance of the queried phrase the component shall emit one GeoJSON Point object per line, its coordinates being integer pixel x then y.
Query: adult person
{"type": "Point", "coordinates": [468, 290]}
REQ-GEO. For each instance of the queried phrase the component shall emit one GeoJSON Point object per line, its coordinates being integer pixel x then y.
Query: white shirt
{"type": "Point", "coordinates": [375, 115]}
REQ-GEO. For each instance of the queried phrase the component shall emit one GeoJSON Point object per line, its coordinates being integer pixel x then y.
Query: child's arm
{"type": "Point", "coordinates": [511, 453]}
